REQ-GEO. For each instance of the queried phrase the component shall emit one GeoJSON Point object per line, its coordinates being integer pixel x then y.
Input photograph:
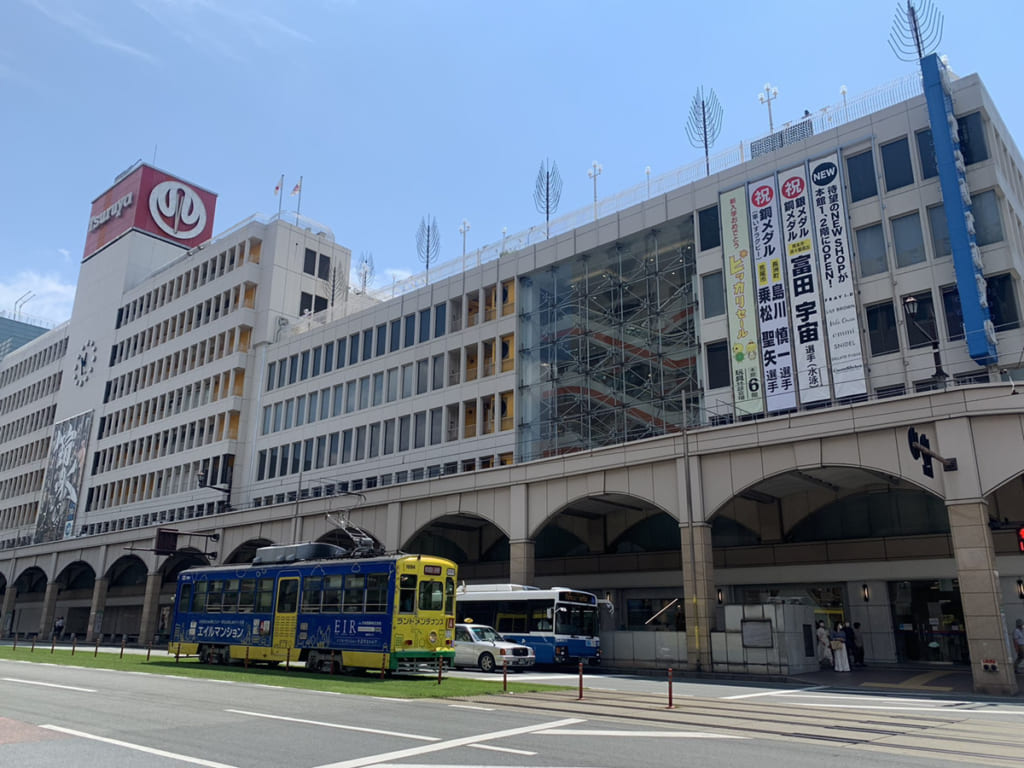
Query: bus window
{"type": "Point", "coordinates": [377, 593]}
{"type": "Point", "coordinates": [407, 593]}
{"type": "Point", "coordinates": [184, 603]}
{"type": "Point", "coordinates": [288, 596]}
{"type": "Point", "coordinates": [231, 596]}
{"type": "Point", "coordinates": [332, 594]}
{"type": "Point", "coordinates": [247, 596]}
{"type": "Point", "coordinates": [199, 603]}
{"type": "Point", "coordinates": [449, 596]}
{"type": "Point", "coordinates": [355, 592]}
{"type": "Point", "coordinates": [431, 596]}
{"type": "Point", "coordinates": [265, 596]}
{"type": "Point", "coordinates": [312, 589]}
{"type": "Point", "coordinates": [214, 596]}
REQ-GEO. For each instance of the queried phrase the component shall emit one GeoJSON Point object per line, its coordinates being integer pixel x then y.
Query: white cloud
{"type": "Point", "coordinates": [40, 299]}
{"type": "Point", "coordinates": [65, 15]}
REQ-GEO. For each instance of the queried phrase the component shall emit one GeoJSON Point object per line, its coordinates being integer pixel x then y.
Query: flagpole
{"type": "Point", "coordinates": [298, 209]}
{"type": "Point", "coordinates": [280, 196]}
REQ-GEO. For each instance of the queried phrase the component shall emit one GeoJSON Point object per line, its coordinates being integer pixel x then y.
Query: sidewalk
{"type": "Point", "coordinates": [903, 680]}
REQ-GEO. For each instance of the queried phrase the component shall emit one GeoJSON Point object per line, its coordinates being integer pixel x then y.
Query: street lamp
{"type": "Point", "coordinates": [594, 173]}
{"type": "Point", "coordinates": [769, 95]}
{"type": "Point", "coordinates": [910, 307]}
{"type": "Point", "coordinates": [842, 92]}
{"type": "Point", "coordinates": [647, 170]}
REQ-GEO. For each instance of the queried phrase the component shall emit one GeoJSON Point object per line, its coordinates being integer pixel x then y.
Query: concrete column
{"type": "Point", "coordinates": [698, 591]}
{"type": "Point", "coordinates": [150, 608]}
{"type": "Point", "coordinates": [7, 612]}
{"type": "Point", "coordinates": [99, 603]}
{"type": "Point", "coordinates": [980, 596]}
{"type": "Point", "coordinates": [521, 562]}
{"type": "Point", "coordinates": [392, 534]}
{"type": "Point", "coordinates": [49, 603]}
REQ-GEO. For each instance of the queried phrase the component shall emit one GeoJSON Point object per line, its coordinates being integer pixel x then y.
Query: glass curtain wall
{"type": "Point", "coordinates": [608, 344]}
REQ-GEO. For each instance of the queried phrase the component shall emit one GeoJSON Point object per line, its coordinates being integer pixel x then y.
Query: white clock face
{"type": "Point", "coordinates": [85, 362]}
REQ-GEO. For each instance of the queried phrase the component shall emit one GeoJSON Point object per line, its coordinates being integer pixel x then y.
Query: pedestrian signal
{"type": "Point", "coordinates": [1020, 539]}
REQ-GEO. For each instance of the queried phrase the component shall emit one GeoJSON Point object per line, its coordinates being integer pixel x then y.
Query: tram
{"type": "Point", "coordinates": [312, 604]}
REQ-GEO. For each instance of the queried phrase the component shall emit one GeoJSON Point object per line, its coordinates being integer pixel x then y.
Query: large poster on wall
{"type": "Point", "coordinates": [772, 308]}
{"type": "Point", "coordinates": [830, 225]}
{"type": "Point", "coordinates": [805, 307]}
{"type": "Point", "coordinates": [744, 354]}
{"type": "Point", "coordinates": [58, 506]}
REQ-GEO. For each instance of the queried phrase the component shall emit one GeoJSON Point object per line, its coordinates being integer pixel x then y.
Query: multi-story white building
{"type": "Point", "coordinates": [788, 382]}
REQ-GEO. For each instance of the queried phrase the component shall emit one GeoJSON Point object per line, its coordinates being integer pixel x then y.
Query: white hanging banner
{"type": "Point", "coordinates": [773, 315]}
{"type": "Point", "coordinates": [805, 307]}
{"type": "Point", "coordinates": [830, 225]}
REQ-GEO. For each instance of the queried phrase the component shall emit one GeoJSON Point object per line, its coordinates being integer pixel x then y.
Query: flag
{"type": "Point", "coordinates": [277, 187]}
{"type": "Point", "coordinates": [297, 188]}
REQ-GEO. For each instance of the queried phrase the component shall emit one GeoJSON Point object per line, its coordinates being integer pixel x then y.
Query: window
{"type": "Point", "coordinates": [392, 385]}
{"type": "Point", "coordinates": [436, 423]}
{"type": "Point", "coordinates": [1002, 302]}
{"type": "Point", "coordinates": [293, 369]}
{"type": "Point", "coordinates": [373, 446]}
{"type": "Point", "coordinates": [712, 289]}
{"type": "Point", "coordinates": [420, 429]}
{"type": "Point", "coordinates": [404, 422]}
{"type": "Point", "coordinates": [395, 342]}
{"type": "Point", "coordinates": [437, 375]}
{"type": "Point", "coordinates": [988, 228]}
{"type": "Point", "coordinates": [922, 328]}
{"type": "Point", "coordinates": [340, 357]}
{"type": "Point", "coordinates": [367, 343]}
{"type": "Point", "coordinates": [907, 239]}
{"type": "Point", "coordinates": [378, 388]}
{"type": "Point", "coordinates": [896, 164]}
{"type": "Point", "coordinates": [972, 138]}
{"type": "Point", "coordinates": [861, 175]}
{"type": "Point", "coordinates": [271, 372]}
{"type": "Point", "coordinates": [313, 398]}
{"type": "Point", "coordinates": [350, 396]}
{"type": "Point", "coordinates": [718, 364]}
{"type": "Point", "coordinates": [304, 366]}
{"type": "Point", "coordinates": [300, 410]}
{"type": "Point", "coordinates": [346, 446]}
{"type": "Point", "coordinates": [389, 437]}
{"type": "Point", "coordinates": [871, 250]}
{"type": "Point", "coordinates": [364, 392]}
{"type": "Point", "coordinates": [407, 593]}
{"type": "Point", "coordinates": [353, 349]}
{"type": "Point", "coordinates": [407, 380]}
{"type": "Point", "coordinates": [410, 330]}
{"type": "Point", "coordinates": [360, 452]}
{"type": "Point", "coordinates": [323, 270]}
{"type": "Point", "coordinates": [926, 152]}
{"type": "Point", "coordinates": [939, 231]}
{"type": "Point", "coordinates": [305, 303]}
{"type": "Point", "coordinates": [317, 360]}
{"type": "Point", "coordinates": [954, 316]}
{"type": "Point", "coordinates": [319, 304]}
{"type": "Point", "coordinates": [424, 325]}
{"type": "Point", "coordinates": [710, 235]}
{"type": "Point", "coordinates": [309, 263]}
{"type": "Point", "coordinates": [882, 329]}
{"type": "Point", "coordinates": [382, 339]}
{"type": "Point", "coordinates": [421, 376]}
{"type": "Point", "coordinates": [439, 320]}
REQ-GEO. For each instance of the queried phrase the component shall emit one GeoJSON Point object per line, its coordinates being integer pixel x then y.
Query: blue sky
{"type": "Point", "coordinates": [391, 110]}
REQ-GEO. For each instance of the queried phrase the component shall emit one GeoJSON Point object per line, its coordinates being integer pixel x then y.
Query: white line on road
{"type": "Point", "coordinates": [450, 744]}
{"type": "Point", "coordinates": [772, 693]}
{"type": "Point", "coordinates": [49, 685]}
{"type": "Point", "coordinates": [938, 710]}
{"type": "Point", "coordinates": [470, 706]}
{"type": "Point", "coordinates": [503, 749]}
{"type": "Point", "coordinates": [138, 747]}
{"type": "Point", "coordinates": [641, 734]}
{"type": "Point", "coordinates": [333, 725]}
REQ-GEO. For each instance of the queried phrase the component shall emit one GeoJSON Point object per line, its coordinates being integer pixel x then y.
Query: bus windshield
{"type": "Point", "coordinates": [575, 619]}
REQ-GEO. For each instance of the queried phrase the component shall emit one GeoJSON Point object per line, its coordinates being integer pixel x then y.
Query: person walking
{"type": "Point", "coordinates": [850, 638]}
{"type": "Point", "coordinates": [858, 645]}
{"type": "Point", "coordinates": [837, 642]}
{"type": "Point", "coordinates": [824, 651]}
{"type": "Point", "coordinates": [58, 628]}
{"type": "Point", "coordinates": [1018, 644]}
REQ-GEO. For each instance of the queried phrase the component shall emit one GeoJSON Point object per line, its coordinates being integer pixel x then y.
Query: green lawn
{"type": "Point", "coordinates": [370, 684]}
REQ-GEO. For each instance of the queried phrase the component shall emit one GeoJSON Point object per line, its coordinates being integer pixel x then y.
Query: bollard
{"type": "Point", "coordinates": [440, 669]}
{"type": "Point", "coordinates": [15, 646]}
{"type": "Point", "coordinates": [53, 643]}
{"type": "Point", "coordinates": [332, 662]}
{"type": "Point", "coordinates": [33, 649]}
{"type": "Point", "coordinates": [74, 644]}
{"type": "Point", "coordinates": [96, 650]}
{"type": "Point", "coordinates": [288, 660]}
{"type": "Point", "coordinates": [177, 652]}
{"type": "Point", "coordinates": [581, 682]}
{"type": "Point", "coordinates": [383, 663]}
{"type": "Point", "coordinates": [670, 687]}
{"type": "Point", "coordinates": [247, 658]}
{"type": "Point", "coordinates": [124, 638]}
{"type": "Point", "coordinates": [149, 649]}
{"type": "Point", "coordinates": [504, 675]}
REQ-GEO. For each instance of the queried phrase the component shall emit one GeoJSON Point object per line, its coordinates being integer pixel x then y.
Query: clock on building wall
{"type": "Point", "coordinates": [85, 362]}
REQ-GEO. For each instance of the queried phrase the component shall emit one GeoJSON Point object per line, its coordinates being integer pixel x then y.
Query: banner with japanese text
{"type": "Point", "coordinates": [772, 308]}
{"type": "Point", "coordinates": [805, 307]}
{"type": "Point", "coordinates": [744, 357]}
{"type": "Point", "coordinates": [838, 290]}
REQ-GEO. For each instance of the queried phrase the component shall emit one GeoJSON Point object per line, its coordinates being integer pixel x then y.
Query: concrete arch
{"type": "Point", "coordinates": [77, 576]}
{"type": "Point", "coordinates": [246, 551]}
{"type": "Point", "coordinates": [476, 544]}
{"type": "Point", "coordinates": [596, 521]}
{"type": "Point", "coordinates": [32, 580]}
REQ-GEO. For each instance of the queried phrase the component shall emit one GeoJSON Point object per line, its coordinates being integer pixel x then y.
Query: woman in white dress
{"type": "Point", "coordinates": [837, 642]}
{"type": "Point", "coordinates": [824, 652]}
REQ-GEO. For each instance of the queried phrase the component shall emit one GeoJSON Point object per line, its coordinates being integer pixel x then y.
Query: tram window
{"type": "Point", "coordinates": [287, 595]}
{"type": "Point", "coordinates": [407, 593]}
{"type": "Point", "coordinates": [231, 596]}
{"type": "Point", "coordinates": [332, 595]}
{"type": "Point", "coordinates": [186, 597]}
{"type": "Point", "coordinates": [355, 593]}
{"type": "Point", "coordinates": [449, 596]}
{"type": "Point", "coordinates": [265, 596]}
{"type": "Point", "coordinates": [431, 596]}
{"type": "Point", "coordinates": [312, 589]}
{"type": "Point", "coordinates": [199, 604]}
{"type": "Point", "coordinates": [247, 596]}
{"type": "Point", "coordinates": [376, 593]}
{"type": "Point", "coordinates": [214, 597]}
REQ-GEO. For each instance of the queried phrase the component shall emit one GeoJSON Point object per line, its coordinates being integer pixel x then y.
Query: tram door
{"type": "Point", "coordinates": [286, 612]}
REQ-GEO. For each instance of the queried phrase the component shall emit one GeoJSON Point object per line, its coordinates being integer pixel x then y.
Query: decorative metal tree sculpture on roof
{"type": "Point", "coordinates": [705, 123]}
{"type": "Point", "coordinates": [428, 242]}
{"type": "Point", "coordinates": [916, 30]}
{"type": "Point", "coordinates": [548, 192]}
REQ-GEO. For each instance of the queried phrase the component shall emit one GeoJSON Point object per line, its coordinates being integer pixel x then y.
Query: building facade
{"type": "Point", "coordinates": [788, 383]}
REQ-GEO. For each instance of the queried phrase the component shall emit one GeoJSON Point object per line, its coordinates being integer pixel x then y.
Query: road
{"type": "Point", "coordinates": [67, 716]}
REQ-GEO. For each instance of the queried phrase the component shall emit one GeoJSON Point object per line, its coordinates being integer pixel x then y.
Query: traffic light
{"type": "Point", "coordinates": [1020, 538]}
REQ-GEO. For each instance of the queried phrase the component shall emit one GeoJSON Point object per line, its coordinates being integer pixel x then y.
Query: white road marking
{"type": "Point", "coordinates": [772, 693]}
{"type": "Point", "coordinates": [333, 725]}
{"type": "Point", "coordinates": [450, 744]}
{"type": "Point", "coordinates": [641, 734]}
{"type": "Point", "coordinates": [49, 685]}
{"type": "Point", "coordinates": [470, 706]}
{"type": "Point", "coordinates": [939, 710]}
{"type": "Point", "coordinates": [503, 749]}
{"type": "Point", "coordinates": [138, 747]}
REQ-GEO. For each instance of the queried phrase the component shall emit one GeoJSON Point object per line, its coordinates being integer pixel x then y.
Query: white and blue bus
{"type": "Point", "coordinates": [559, 623]}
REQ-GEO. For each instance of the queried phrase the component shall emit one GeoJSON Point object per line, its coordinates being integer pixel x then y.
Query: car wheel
{"type": "Point", "coordinates": [487, 662]}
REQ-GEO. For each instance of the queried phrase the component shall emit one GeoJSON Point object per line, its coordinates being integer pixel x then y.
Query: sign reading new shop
{"type": "Point", "coordinates": [151, 201]}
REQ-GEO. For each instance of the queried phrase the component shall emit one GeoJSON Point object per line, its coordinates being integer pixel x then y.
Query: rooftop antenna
{"type": "Point", "coordinates": [547, 192]}
{"type": "Point", "coordinates": [365, 270]}
{"type": "Point", "coordinates": [916, 30]}
{"type": "Point", "coordinates": [428, 242]}
{"type": "Point", "coordinates": [705, 123]}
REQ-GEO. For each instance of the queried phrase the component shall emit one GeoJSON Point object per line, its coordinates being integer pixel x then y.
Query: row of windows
{"type": "Point", "coordinates": [149, 485]}
{"type": "Point", "coordinates": [388, 386]}
{"type": "Point", "coordinates": [185, 322]}
{"type": "Point", "coordinates": [19, 485]}
{"type": "Point", "coordinates": [33, 451]}
{"type": "Point", "coordinates": [34, 391]}
{"type": "Point", "coordinates": [154, 518]}
{"type": "Point", "coordinates": [210, 269]}
{"type": "Point", "coordinates": [41, 419]}
{"type": "Point", "coordinates": [194, 395]}
{"type": "Point", "coordinates": [33, 363]}
{"type": "Point", "coordinates": [180, 362]}
{"type": "Point", "coordinates": [318, 265]}
{"type": "Point", "coordinates": [383, 438]}
{"type": "Point", "coordinates": [15, 517]}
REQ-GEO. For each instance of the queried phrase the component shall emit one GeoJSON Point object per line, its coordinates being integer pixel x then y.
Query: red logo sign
{"type": "Point", "coordinates": [762, 196]}
{"type": "Point", "coordinates": [151, 201]}
{"type": "Point", "coordinates": [792, 187]}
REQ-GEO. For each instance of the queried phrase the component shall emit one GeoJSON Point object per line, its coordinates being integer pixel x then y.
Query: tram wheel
{"type": "Point", "coordinates": [486, 662]}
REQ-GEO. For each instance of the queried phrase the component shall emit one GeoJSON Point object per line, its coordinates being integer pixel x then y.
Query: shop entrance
{"type": "Point", "coordinates": [928, 621]}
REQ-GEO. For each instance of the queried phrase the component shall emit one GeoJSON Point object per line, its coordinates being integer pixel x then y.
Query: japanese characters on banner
{"type": "Point", "coordinates": [772, 310]}
{"type": "Point", "coordinates": [744, 359]}
{"type": "Point", "coordinates": [837, 278]}
{"type": "Point", "coordinates": [805, 307]}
